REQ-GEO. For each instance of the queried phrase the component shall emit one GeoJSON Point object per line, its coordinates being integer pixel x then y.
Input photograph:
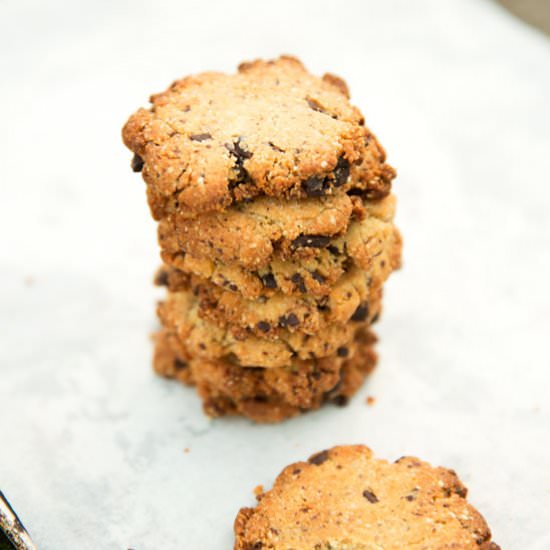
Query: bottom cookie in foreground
{"type": "Point", "coordinates": [267, 395]}
{"type": "Point", "coordinates": [345, 499]}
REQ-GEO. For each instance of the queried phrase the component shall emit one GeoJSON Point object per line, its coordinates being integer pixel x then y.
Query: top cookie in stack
{"type": "Point", "coordinates": [275, 224]}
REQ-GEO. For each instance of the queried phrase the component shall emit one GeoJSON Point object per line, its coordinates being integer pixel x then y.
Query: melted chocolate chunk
{"type": "Point", "coordinates": [341, 172]}
{"type": "Point", "coordinates": [162, 278]}
{"type": "Point", "coordinates": [318, 458]}
{"type": "Point", "coordinates": [333, 250]}
{"type": "Point", "coordinates": [314, 186]}
{"type": "Point", "coordinates": [310, 241]}
{"type": "Point", "coordinates": [268, 280]}
{"type": "Point", "coordinates": [298, 280]}
{"type": "Point", "coordinates": [342, 351]}
{"type": "Point", "coordinates": [289, 320]}
{"type": "Point", "coordinates": [264, 326]}
{"type": "Point", "coordinates": [240, 155]}
{"type": "Point", "coordinates": [137, 163]}
{"type": "Point", "coordinates": [179, 364]}
{"type": "Point", "coordinates": [340, 400]}
{"type": "Point", "coordinates": [361, 313]}
{"type": "Point", "coordinates": [370, 496]}
{"type": "Point", "coordinates": [237, 151]}
{"type": "Point", "coordinates": [200, 137]}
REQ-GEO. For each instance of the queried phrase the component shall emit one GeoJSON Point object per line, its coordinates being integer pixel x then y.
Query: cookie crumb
{"type": "Point", "coordinates": [371, 400]}
{"type": "Point", "coordinates": [28, 281]}
{"type": "Point", "coordinates": [258, 490]}
{"type": "Point", "coordinates": [186, 450]}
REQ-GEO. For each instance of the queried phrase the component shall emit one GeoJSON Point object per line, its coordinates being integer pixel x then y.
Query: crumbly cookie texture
{"type": "Point", "coordinates": [372, 243]}
{"type": "Point", "coordinates": [180, 313]}
{"type": "Point", "coordinates": [271, 317]}
{"type": "Point", "coordinates": [345, 499]}
{"type": "Point", "coordinates": [249, 234]}
{"type": "Point", "coordinates": [267, 395]}
{"type": "Point", "coordinates": [270, 129]}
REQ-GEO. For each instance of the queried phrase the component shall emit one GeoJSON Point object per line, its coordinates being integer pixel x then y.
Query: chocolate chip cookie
{"type": "Point", "coordinates": [344, 498]}
{"type": "Point", "coordinates": [267, 395]}
{"type": "Point", "coordinates": [372, 244]}
{"type": "Point", "coordinates": [272, 129]}
{"type": "Point", "coordinates": [203, 339]}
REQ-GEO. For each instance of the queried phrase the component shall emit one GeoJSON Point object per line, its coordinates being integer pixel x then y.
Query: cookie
{"type": "Point", "coordinates": [180, 313]}
{"type": "Point", "coordinates": [344, 498]}
{"type": "Point", "coordinates": [270, 129]}
{"type": "Point", "coordinates": [249, 233]}
{"type": "Point", "coordinates": [372, 244]}
{"type": "Point", "coordinates": [274, 316]}
{"type": "Point", "coordinates": [267, 395]}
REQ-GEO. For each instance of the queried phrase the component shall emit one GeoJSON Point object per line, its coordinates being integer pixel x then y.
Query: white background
{"type": "Point", "coordinates": [92, 443]}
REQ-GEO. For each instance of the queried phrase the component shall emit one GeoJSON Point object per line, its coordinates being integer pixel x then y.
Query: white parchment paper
{"type": "Point", "coordinates": [92, 443]}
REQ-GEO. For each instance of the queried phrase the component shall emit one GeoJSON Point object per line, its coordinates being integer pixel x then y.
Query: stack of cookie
{"type": "Point", "coordinates": [275, 226]}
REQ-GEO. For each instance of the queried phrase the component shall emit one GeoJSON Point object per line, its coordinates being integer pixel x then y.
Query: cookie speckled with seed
{"type": "Point", "coordinates": [280, 313]}
{"type": "Point", "coordinates": [372, 244]}
{"type": "Point", "coordinates": [203, 339]}
{"type": "Point", "coordinates": [345, 499]}
{"type": "Point", "coordinates": [270, 129]}
{"type": "Point", "coordinates": [267, 395]}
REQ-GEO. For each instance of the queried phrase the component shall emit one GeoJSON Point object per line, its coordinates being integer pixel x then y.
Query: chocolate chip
{"type": "Point", "coordinates": [361, 313]}
{"type": "Point", "coordinates": [370, 496]}
{"type": "Point", "coordinates": [340, 400]}
{"type": "Point", "coordinates": [333, 250]}
{"type": "Point", "coordinates": [237, 151]}
{"type": "Point", "coordinates": [240, 156]}
{"type": "Point", "coordinates": [137, 163]}
{"type": "Point", "coordinates": [375, 318]}
{"type": "Point", "coordinates": [161, 278]}
{"type": "Point", "coordinates": [298, 280]}
{"type": "Point", "coordinates": [289, 320]}
{"type": "Point", "coordinates": [314, 186]}
{"type": "Point", "coordinates": [318, 277]}
{"type": "Point", "coordinates": [200, 137]}
{"type": "Point", "coordinates": [264, 326]}
{"type": "Point", "coordinates": [460, 491]}
{"type": "Point", "coordinates": [342, 351]}
{"type": "Point", "coordinates": [318, 458]}
{"type": "Point", "coordinates": [341, 172]}
{"type": "Point", "coordinates": [179, 364]}
{"type": "Point", "coordinates": [233, 287]}
{"type": "Point", "coordinates": [268, 280]}
{"type": "Point", "coordinates": [410, 498]}
{"type": "Point", "coordinates": [310, 241]}
{"type": "Point", "coordinates": [258, 545]}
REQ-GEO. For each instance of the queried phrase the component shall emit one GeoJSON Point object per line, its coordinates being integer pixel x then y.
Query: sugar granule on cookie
{"type": "Point", "coordinates": [345, 499]}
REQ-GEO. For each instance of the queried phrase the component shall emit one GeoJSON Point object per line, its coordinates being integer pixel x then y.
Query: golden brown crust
{"type": "Point", "coordinates": [267, 395]}
{"type": "Point", "coordinates": [270, 129]}
{"type": "Point", "coordinates": [345, 499]}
